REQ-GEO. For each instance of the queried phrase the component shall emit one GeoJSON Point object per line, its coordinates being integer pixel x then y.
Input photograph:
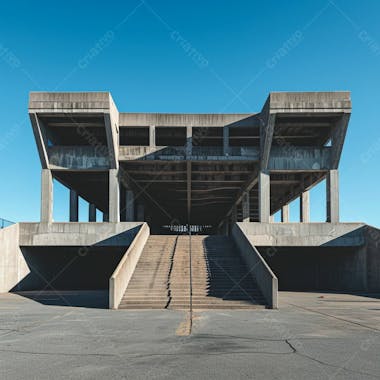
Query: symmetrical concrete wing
{"type": "Point", "coordinates": [190, 168]}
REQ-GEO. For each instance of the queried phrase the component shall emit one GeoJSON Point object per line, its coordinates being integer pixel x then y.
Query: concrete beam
{"type": "Point", "coordinates": [305, 207]}
{"type": "Point", "coordinates": [332, 196]}
{"type": "Point", "coordinates": [41, 139]}
{"type": "Point", "coordinates": [46, 196]}
{"type": "Point", "coordinates": [337, 139]}
{"type": "Point", "coordinates": [74, 201]}
{"type": "Point", "coordinates": [114, 196]}
{"type": "Point", "coordinates": [266, 137]}
{"type": "Point", "coordinates": [264, 196]}
{"type": "Point", "coordinates": [285, 213]}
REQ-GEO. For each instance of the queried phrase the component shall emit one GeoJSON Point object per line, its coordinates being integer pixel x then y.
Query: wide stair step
{"type": "Point", "coordinates": [219, 279]}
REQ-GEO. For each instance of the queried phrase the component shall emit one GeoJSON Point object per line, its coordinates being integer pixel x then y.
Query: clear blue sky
{"type": "Point", "coordinates": [241, 51]}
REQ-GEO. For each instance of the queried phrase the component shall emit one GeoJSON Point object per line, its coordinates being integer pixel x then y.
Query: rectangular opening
{"type": "Point", "coordinates": [134, 136]}
{"type": "Point", "coordinates": [208, 136]}
{"type": "Point", "coordinates": [170, 136]}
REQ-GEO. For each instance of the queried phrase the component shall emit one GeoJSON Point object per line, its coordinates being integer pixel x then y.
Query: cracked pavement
{"type": "Point", "coordinates": [313, 335]}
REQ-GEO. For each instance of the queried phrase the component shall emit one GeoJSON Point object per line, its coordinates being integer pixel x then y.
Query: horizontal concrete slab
{"type": "Point", "coordinates": [304, 234]}
{"type": "Point", "coordinates": [78, 234]}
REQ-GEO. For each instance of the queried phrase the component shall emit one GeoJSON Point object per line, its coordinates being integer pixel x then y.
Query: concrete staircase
{"type": "Point", "coordinates": [148, 287]}
{"type": "Point", "coordinates": [219, 278]}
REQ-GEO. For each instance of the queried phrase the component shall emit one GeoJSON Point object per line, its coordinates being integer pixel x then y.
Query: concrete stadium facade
{"type": "Point", "coordinates": [225, 174]}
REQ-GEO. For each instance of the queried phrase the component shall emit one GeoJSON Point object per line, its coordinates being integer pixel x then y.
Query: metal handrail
{"type": "Point", "coordinates": [190, 282]}
{"type": "Point", "coordinates": [5, 223]}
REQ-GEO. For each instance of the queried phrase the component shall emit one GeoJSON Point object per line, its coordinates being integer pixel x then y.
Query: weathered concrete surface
{"type": "Point", "coordinates": [13, 267]}
{"type": "Point", "coordinates": [124, 271]}
{"type": "Point", "coordinates": [334, 337]}
{"type": "Point", "coordinates": [257, 267]}
{"type": "Point", "coordinates": [304, 234]}
{"type": "Point", "coordinates": [13, 261]}
{"type": "Point", "coordinates": [78, 234]}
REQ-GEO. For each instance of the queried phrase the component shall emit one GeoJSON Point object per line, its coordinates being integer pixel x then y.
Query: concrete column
{"type": "Point", "coordinates": [114, 196]}
{"type": "Point", "coordinates": [74, 200]}
{"type": "Point", "coordinates": [140, 212]}
{"type": "Point", "coordinates": [152, 136]}
{"type": "Point", "coordinates": [226, 138]}
{"type": "Point", "coordinates": [189, 141]}
{"type": "Point", "coordinates": [285, 214]}
{"type": "Point", "coordinates": [271, 218]}
{"type": "Point", "coordinates": [332, 196]}
{"type": "Point", "coordinates": [46, 196]}
{"type": "Point", "coordinates": [130, 206]}
{"type": "Point", "coordinates": [264, 196]}
{"type": "Point", "coordinates": [234, 215]}
{"type": "Point", "coordinates": [245, 206]}
{"type": "Point", "coordinates": [305, 207]}
{"type": "Point", "coordinates": [91, 212]}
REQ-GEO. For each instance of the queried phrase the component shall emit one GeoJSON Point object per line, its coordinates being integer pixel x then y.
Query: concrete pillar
{"type": "Point", "coordinates": [46, 196]}
{"type": "Point", "coordinates": [285, 214]}
{"type": "Point", "coordinates": [189, 141]}
{"type": "Point", "coordinates": [114, 196]}
{"type": "Point", "coordinates": [226, 138]}
{"type": "Point", "coordinates": [130, 206]}
{"type": "Point", "coordinates": [152, 136]}
{"type": "Point", "coordinates": [264, 196]}
{"type": "Point", "coordinates": [271, 218]}
{"type": "Point", "coordinates": [305, 207]}
{"type": "Point", "coordinates": [332, 196]}
{"type": "Point", "coordinates": [140, 212]}
{"type": "Point", "coordinates": [234, 215]}
{"type": "Point", "coordinates": [74, 200]}
{"type": "Point", "coordinates": [91, 212]}
{"type": "Point", "coordinates": [245, 206]}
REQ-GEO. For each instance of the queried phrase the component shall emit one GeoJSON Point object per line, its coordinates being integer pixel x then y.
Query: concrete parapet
{"type": "Point", "coordinates": [69, 101]}
{"type": "Point", "coordinates": [265, 278]}
{"type": "Point", "coordinates": [304, 234]}
{"type": "Point", "coordinates": [77, 234]}
{"type": "Point", "coordinates": [13, 267]}
{"type": "Point", "coordinates": [120, 278]}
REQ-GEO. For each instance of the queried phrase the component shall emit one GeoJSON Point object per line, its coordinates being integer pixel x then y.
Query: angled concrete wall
{"type": "Point", "coordinates": [13, 266]}
{"type": "Point", "coordinates": [32, 253]}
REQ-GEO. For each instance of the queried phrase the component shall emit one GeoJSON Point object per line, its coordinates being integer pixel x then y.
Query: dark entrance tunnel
{"type": "Point", "coordinates": [317, 268]}
{"type": "Point", "coordinates": [69, 268]}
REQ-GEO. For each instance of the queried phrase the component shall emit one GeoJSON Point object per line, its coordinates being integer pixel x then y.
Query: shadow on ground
{"type": "Point", "coordinates": [97, 299]}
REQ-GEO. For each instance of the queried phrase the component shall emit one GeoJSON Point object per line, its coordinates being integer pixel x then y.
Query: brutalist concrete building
{"type": "Point", "coordinates": [157, 179]}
